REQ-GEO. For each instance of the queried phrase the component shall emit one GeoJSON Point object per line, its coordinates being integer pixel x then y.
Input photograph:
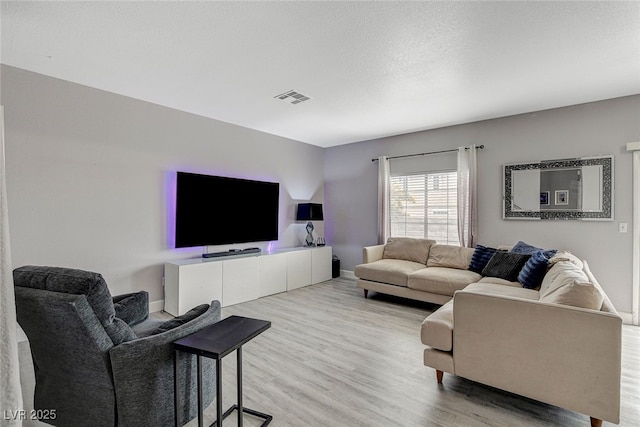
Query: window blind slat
{"type": "Point", "coordinates": [424, 205]}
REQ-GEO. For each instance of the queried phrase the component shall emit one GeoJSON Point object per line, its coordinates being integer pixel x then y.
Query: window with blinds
{"type": "Point", "coordinates": [424, 205]}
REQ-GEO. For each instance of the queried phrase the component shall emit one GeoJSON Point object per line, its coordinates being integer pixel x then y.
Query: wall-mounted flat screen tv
{"type": "Point", "coordinates": [216, 210]}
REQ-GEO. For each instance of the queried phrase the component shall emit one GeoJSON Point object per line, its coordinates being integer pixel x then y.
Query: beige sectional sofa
{"type": "Point", "coordinates": [559, 343]}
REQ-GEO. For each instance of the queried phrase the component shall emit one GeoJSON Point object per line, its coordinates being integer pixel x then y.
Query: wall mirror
{"type": "Point", "coordinates": [579, 188]}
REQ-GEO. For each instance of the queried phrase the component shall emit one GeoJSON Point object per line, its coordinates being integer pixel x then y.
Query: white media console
{"type": "Point", "coordinates": [239, 278]}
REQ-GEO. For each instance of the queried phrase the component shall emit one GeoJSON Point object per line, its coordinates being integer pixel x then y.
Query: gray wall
{"type": "Point", "coordinates": [582, 130]}
{"type": "Point", "coordinates": [88, 177]}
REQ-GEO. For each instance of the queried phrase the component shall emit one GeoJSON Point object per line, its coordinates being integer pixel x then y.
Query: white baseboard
{"type": "Point", "coordinates": [155, 306]}
{"type": "Point", "coordinates": [627, 318]}
{"type": "Point", "coordinates": [347, 274]}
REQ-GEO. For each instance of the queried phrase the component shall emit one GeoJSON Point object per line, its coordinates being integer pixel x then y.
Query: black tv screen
{"type": "Point", "coordinates": [217, 210]}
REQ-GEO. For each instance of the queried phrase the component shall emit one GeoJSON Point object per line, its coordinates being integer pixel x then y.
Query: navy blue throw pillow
{"type": "Point", "coordinates": [534, 270]}
{"type": "Point", "coordinates": [524, 248]}
{"type": "Point", "coordinates": [480, 258]}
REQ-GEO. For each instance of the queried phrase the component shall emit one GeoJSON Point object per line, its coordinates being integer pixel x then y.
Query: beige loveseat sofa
{"type": "Point", "coordinates": [560, 344]}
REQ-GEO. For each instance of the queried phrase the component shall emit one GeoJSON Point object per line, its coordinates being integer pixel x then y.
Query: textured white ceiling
{"type": "Point", "coordinates": [371, 69]}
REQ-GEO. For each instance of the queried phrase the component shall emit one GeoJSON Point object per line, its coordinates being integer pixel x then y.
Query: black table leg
{"type": "Point", "coordinates": [239, 375]}
{"type": "Point", "coordinates": [176, 403]}
{"type": "Point", "coordinates": [200, 397]}
{"type": "Point", "coordinates": [219, 392]}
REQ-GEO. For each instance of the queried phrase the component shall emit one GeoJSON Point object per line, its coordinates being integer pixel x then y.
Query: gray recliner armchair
{"type": "Point", "coordinates": [101, 361]}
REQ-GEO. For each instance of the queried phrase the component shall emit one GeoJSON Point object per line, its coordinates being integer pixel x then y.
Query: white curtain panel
{"type": "Point", "coordinates": [10, 389]}
{"type": "Point", "coordinates": [467, 196]}
{"type": "Point", "coordinates": [383, 199]}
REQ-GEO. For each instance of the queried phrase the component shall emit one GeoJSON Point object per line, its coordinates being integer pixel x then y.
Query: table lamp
{"type": "Point", "coordinates": [309, 212]}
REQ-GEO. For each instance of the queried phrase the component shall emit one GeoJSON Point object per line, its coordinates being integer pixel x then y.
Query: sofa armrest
{"type": "Point", "coordinates": [372, 253]}
{"type": "Point", "coordinates": [143, 374]}
{"type": "Point", "coordinates": [565, 356]}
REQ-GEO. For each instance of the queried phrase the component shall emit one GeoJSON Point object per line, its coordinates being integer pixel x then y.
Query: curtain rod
{"type": "Point", "coordinates": [479, 147]}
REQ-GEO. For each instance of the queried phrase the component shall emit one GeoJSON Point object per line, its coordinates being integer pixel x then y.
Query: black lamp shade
{"type": "Point", "coordinates": [309, 212]}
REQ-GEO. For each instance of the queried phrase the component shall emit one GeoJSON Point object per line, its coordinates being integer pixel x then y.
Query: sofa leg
{"type": "Point", "coordinates": [439, 377]}
{"type": "Point", "coordinates": [366, 293]}
{"type": "Point", "coordinates": [596, 422]}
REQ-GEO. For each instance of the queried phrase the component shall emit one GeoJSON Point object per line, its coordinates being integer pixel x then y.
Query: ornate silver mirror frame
{"type": "Point", "coordinates": [559, 189]}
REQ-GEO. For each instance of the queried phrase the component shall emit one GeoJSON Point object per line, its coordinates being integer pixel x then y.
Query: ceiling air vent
{"type": "Point", "coordinates": [292, 97]}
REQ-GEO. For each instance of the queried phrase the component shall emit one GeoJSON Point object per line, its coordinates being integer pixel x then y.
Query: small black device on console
{"type": "Point", "coordinates": [232, 252]}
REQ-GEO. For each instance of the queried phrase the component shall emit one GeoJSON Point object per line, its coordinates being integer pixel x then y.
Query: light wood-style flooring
{"type": "Point", "coordinates": [333, 358]}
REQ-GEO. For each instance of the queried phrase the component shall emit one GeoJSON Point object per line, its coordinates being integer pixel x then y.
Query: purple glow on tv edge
{"type": "Point", "coordinates": [170, 186]}
{"type": "Point", "coordinates": [170, 183]}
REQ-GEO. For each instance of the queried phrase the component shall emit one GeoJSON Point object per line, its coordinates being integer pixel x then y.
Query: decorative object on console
{"type": "Point", "coordinates": [309, 212]}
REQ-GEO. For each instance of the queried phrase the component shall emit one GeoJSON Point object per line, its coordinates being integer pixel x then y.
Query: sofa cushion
{"type": "Point", "coordinates": [505, 265]}
{"type": "Point", "coordinates": [450, 256]}
{"type": "Point", "coordinates": [566, 256]}
{"type": "Point", "coordinates": [499, 281]}
{"type": "Point", "coordinates": [392, 271]}
{"type": "Point", "coordinates": [441, 280]}
{"type": "Point", "coordinates": [534, 270]}
{"type": "Point", "coordinates": [527, 249]}
{"type": "Point", "coordinates": [408, 249]}
{"type": "Point", "coordinates": [567, 283]}
{"type": "Point", "coordinates": [507, 291]}
{"type": "Point", "coordinates": [480, 258]}
{"type": "Point", "coordinates": [576, 294]}
{"type": "Point", "coordinates": [561, 273]}
{"type": "Point", "coordinates": [181, 320]}
{"type": "Point", "coordinates": [132, 308]}
{"type": "Point", "coordinates": [524, 248]}
{"type": "Point", "coordinates": [436, 330]}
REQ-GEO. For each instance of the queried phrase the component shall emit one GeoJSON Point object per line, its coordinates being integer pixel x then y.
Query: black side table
{"type": "Point", "coordinates": [216, 341]}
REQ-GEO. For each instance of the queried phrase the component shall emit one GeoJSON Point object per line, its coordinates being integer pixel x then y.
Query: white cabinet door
{"type": "Point", "coordinates": [321, 264]}
{"type": "Point", "coordinates": [187, 286]}
{"type": "Point", "coordinates": [272, 274]}
{"type": "Point", "coordinates": [298, 269]}
{"type": "Point", "coordinates": [189, 283]}
{"type": "Point", "coordinates": [240, 280]}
